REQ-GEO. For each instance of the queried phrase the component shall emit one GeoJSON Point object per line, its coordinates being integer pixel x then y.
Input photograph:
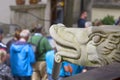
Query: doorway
{"type": "Point", "coordinates": [54, 10]}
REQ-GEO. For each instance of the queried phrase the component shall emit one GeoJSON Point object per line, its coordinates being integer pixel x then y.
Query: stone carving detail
{"type": "Point", "coordinates": [93, 46]}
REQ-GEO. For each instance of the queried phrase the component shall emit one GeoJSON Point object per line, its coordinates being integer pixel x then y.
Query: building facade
{"type": "Point", "coordinates": [102, 8]}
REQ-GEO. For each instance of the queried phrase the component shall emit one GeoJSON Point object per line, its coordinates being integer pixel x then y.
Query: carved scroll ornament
{"type": "Point", "coordinates": [93, 46]}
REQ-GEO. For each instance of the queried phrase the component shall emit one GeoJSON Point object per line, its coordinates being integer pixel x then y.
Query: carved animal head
{"type": "Point", "coordinates": [93, 46]}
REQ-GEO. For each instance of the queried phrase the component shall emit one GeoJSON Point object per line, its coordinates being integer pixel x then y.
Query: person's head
{"type": "Point", "coordinates": [97, 23]}
{"type": "Point", "coordinates": [83, 15]}
{"type": "Point", "coordinates": [17, 33]}
{"type": "Point", "coordinates": [38, 29]}
{"type": "Point", "coordinates": [119, 17]}
{"type": "Point", "coordinates": [3, 56]}
{"type": "Point", "coordinates": [25, 33]}
{"type": "Point", "coordinates": [88, 24]}
{"type": "Point", "coordinates": [60, 3]}
{"type": "Point", "coordinates": [1, 34]}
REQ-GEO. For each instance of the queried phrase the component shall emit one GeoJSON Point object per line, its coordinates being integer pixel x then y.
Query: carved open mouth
{"type": "Point", "coordinates": [64, 46]}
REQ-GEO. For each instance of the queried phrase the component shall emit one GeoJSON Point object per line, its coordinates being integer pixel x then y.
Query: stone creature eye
{"type": "Point", "coordinates": [97, 38]}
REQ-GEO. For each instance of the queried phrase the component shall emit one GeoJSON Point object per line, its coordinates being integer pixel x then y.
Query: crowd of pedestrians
{"type": "Point", "coordinates": [19, 61]}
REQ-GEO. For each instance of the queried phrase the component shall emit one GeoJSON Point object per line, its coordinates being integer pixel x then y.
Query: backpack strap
{"type": "Point", "coordinates": [38, 45]}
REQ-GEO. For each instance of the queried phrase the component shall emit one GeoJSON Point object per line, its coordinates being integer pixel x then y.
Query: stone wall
{"type": "Point", "coordinates": [28, 16]}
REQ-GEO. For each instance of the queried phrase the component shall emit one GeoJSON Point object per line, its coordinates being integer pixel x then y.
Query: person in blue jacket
{"type": "Point", "coordinates": [77, 69]}
{"type": "Point", "coordinates": [22, 57]}
{"type": "Point", "coordinates": [65, 71]}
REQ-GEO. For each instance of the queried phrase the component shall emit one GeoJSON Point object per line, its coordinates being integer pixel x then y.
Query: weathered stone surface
{"type": "Point", "coordinates": [28, 16]}
{"type": "Point", "coordinates": [93, 46]}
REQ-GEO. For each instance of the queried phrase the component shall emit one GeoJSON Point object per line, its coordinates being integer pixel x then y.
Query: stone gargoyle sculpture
{"type": "Point", "coordinates": [92, 46]}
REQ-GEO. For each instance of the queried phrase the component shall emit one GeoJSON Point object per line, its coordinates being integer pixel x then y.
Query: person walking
{"type": "Point", "coordinates": [5, 71]}
{"type": "Point", "coordinates": [43, 46]}
{"type": "Point", "coordinates": [15, 38]}
{"type": "Point", "coordinates": [59, 11]}
{"type": "Point", "coordinates": [22, 57]}
{"type": "Point", "coordinates": [2, 45]}
{"type": "Point", "coordinates": [65, 70]}
{"type": "Point", "coordinates": [117, 22]}
{"type": "Point", "coordinates": [82, 20]}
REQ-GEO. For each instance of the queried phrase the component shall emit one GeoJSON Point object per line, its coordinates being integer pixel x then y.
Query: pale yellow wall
{"type": "Point", "coordinates": [5, 10]}
{"type": "Point", "coordinates": [5, 13]}
{"type": "Point", "coordinates": [99, 13]}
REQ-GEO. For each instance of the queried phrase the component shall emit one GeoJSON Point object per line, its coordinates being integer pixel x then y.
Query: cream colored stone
{"type": "Point", "coordinates": [92, 46]}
